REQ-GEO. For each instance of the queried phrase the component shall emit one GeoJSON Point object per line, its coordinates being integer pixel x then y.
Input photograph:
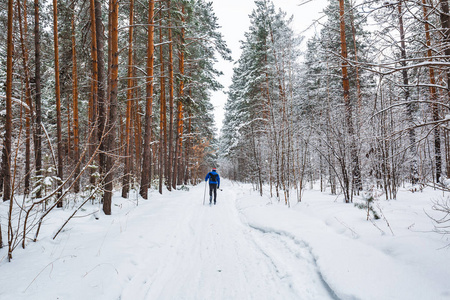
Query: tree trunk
{"type": "Point", "coordinates": [171, 88]}
{"type": "Point", "coordinates": [110, 124]}
{"type": "Point", "coordinates": [179, 156]}
{"type": "Point", "coordinates": [101, 102]}
{"type": "Point", "coordinates": [282, 95]}
{"type": "Point", "coordinates": [37, 76]}
{"type": "Point", "coordinates": [69, 133]}
{"type": "Point", "coordinates": [76, 141]}
{"type": "Point", "coordinates": [178, 174]}
{"type": "Point", "coordinates": [435, 110]}
{"type": "Point", "coordinates": [137, 131]}
{"type": "Point", "coordinates": [163, 114]}
{"type": "Point", "coordinates": [127, 168]}
{"type": "Point", "coordinates": [146, 160]}
{"type": "Point", "coordinates": [356, 170]}
{"type": "Point", "coordinates": [58, 99]}
{"type": "Point", "coordinates": [347, 104]}
{"type": "Point", "coordinates": [94, 87]}
{"type": "Point", "coordinates": [8, 126]}
{"type": "Point", "coordinates": [187, 172]}
{"type": "Point", "coordinates": [23, 26]}
{"type": "Point", "coordinates": [409, 106]}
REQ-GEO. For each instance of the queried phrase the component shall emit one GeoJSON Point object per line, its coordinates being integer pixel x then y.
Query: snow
{"type": "Point", "coordinates": [245, 247]}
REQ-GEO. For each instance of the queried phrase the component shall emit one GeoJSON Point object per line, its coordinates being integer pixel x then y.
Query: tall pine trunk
{"type": "Point", "coordinates": [76, 141]}
{"type": "Point", "coordinates": [101, 103]}
{"type": "Point", "coordinates": [130, 81]}
{"type": "Point", "coordinates": [356, 169]}
{"type": "Point", "coordinates": [347, 104]}
{"type": "Point", "coordinates": [58, 98]}
{"type": "Point", "coordinates": [111, 109]}
{"type": "Point", "coordinates": [434, 108]}
{"type": "Point", "coordinates": [37, 76]}
{"type": "Point", "coordinates": [146, 160]}
{"type": "Point", "coordinates": [171, 100]}
{"type": "Point", "coordinates": [8, 124]}
{"type": "Point", "coordinates": [179, 144]}
{"type": "Point", "coordinates": [164, 171]}
{"type": "Point", "coordinates": [23, 27]}
{"type": "Point", "coordinates": [94, 88]}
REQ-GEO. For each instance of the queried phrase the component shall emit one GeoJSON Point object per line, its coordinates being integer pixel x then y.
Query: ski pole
{"type": "Point", "coordinates": [204, 195]}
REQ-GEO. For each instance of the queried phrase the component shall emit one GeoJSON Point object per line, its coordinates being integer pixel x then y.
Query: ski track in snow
{"type": "Point", "coordinates": [211, 253]}
{"type": "Point", "coordinates": [295, 256]}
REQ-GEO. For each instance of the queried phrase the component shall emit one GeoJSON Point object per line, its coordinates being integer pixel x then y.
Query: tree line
{"type": "Point", "coordinates": [364, 107]}
{"type": "Point", "coordinates": [98, 95]}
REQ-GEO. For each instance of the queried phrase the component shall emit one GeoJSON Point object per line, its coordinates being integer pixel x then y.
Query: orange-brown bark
{"type": "Point", "coordinates": [130, 82]}
{"type": "Point", "coordinates": [178, 162]}
{"type": "Point", "coordinates": [110, 110]}
{"type": "Point", "coordinates": [162, 114]}
{"type": "Point", "coordinates": [57, 95]}
{"type": "Point", "coordinates": [171, 103]}
{"type": "Point", "coordinates": [146, 160]}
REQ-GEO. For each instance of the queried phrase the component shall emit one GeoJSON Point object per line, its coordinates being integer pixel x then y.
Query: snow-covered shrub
{"type": "Point", "coordinates": [93, 190]}
{"type": "Point", "coordinates": [183, 188]}
{"type": "Point", "coordinates": [367, 205]}
{"type": "Point", "coordinates": [442, 222]}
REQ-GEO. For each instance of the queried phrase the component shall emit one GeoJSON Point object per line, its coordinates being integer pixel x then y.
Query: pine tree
{"type": "Point", "coordinates": [260, 101]}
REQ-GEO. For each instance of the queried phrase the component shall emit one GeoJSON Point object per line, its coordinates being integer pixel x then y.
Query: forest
{"type": "Point", "coordinates": [98, 96]}
{"type": "Point", "coordinates": [103, 96]}
{"type": "Point", "coordinates": [364, 107]}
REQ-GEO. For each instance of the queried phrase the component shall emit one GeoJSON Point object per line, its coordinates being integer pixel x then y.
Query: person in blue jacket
{"type": "Point", "coordinates": [214, 184]}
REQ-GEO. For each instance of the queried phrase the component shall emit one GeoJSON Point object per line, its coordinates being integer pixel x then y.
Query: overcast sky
{"type": "Point", "coordinates": [233, 18]}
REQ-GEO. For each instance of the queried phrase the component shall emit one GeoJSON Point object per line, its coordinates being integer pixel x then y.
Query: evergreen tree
{"type": "Point", "coordinates": [260, 101]}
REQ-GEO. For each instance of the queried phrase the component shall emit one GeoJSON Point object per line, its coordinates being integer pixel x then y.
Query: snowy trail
{"type": "Point", "coordinates": [212, 254]}
{"type": "Point", "coordinates": [246, 247]}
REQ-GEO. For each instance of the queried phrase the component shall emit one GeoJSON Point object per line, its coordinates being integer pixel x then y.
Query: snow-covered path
{"type": "Point", "coordinates": [245, 247]}
{"type": "Point", "coordinates": [209, 253]}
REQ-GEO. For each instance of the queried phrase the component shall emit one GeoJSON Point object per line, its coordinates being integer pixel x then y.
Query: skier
{"type": "Point", "coordinates": [214, 184]}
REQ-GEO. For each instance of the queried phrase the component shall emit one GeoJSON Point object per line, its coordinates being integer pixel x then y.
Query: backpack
{"type": "Point", "coordinates": [213, 177]}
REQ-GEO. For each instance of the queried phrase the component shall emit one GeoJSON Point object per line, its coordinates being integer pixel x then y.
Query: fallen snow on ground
{"type": "Point", "coordinates": [245, 247]}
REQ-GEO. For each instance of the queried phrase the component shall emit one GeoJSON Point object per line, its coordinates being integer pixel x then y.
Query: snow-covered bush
{"type": "Point", "coordinates": [442, 220]}
{"type": "Point", "coordinates": [369, 197]}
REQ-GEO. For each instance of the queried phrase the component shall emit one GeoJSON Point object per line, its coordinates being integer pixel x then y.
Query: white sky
{"type": "Point", "coordinates": [233, 18]}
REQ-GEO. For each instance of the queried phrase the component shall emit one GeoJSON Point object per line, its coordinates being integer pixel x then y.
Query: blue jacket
{"type": "Point", "coordinates": [211, 181]}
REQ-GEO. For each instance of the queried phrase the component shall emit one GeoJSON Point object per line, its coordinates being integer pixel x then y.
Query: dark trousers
{"type": "Point", "coordinates": [212, 188]}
